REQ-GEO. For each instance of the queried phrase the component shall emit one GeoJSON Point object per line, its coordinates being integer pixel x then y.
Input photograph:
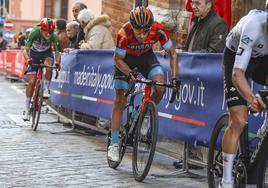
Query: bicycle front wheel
{"type": "Point", "coordinates": [214, 163]}
{"type": "Point", "coordinates": [37, 104]}
{"type": "Point", "coordinates": [145, 141]}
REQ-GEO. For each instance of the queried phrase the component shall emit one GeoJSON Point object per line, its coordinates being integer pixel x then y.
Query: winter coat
{"type": "Point", "coordinates": [97, 34]}
{"type": "Point", "coordinates": [210, 36]}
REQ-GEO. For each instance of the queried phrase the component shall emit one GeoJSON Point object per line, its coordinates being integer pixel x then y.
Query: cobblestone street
{"type": "Point", "coordinates": [41, 159]}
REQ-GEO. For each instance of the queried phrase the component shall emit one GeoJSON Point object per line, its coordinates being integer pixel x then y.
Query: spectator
{"type": "Point", "coordinates": [21, 40]}
{"type": "Point", "coordinates": [72, 29]}
{"type": "Point", "coordinates": [3, 42]}
{"type": "Point", "coordinates": [208, 32]}
{"type": "Point", "coordinates": [97, 33]}
{"type": "Point", "coordinates": [222, 7]}
{"type": "Point", "coordinates": [78, 6]}
{"type": "Point", "coordinates": [62, 35]}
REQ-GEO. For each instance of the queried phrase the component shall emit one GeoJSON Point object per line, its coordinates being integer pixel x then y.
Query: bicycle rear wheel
{"type": "Point", "coordinates": [37, 104]}
{"type": "Point", "coordinates": [122, 148]}
{"type": "Point", "coordinates": [145, 141]}
{"type": "Point", "coordinates": [214, 163]}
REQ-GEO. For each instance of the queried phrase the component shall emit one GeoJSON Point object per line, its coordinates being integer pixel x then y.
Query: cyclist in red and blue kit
{"type": "Point", "coordinates": [134, 50]}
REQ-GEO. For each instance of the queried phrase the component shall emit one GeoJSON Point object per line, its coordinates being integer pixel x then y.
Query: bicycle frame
{"type": "Point", "coordinates": [147, 97]}
{"type": "Point", "coordinates": [38, 79]}
{"type": "Point", "coordinates": [251, 161]}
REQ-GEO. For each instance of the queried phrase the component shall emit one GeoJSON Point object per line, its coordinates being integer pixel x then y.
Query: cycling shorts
{"type": "Point", "coordinates": [257, 70]}
{"type": "Point", "coordinates": [36, 58]}
{"type": "Point", "coordinates": [147, 65]}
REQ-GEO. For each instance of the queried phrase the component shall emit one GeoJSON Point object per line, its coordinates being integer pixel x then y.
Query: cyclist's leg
{"type": "Point", "coordinates": [118, 107]}
{"type": "Point", "coordinates": [119, 103]}
{"type": "Point", "coordinates": [48, 60]}
{"type": "Point", "coordinates": [30, 74]}
{"type": "Point", "coordinates": [151, 69]}
{"type": "Point", "coordinates": [157, 74]}
{"type": "Point", "coordinates": [237, 119]}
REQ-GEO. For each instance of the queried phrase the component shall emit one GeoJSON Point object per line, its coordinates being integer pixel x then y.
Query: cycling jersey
{"type": "Point", "coordinates": [38, 43]}
{"type": "Point", "coordinates": [249, 38]}
{"type": "Point", "coordinates": [128, 44]}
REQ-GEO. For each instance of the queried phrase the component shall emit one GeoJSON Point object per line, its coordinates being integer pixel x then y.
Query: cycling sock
{"type": "Point", "coordinates": [228, 161]}
{"type": "Point", "coordinates": [47, 84]}
{"type": "Point", "coordinates": [28, 100]}
{"type": "Point", "coordinates": [115, 137]}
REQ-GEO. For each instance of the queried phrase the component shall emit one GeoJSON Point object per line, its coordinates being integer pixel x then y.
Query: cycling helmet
{"type": "Point", "coordinates": [47, 24]}
{"type": "Point", "coordinates": [141, 18]}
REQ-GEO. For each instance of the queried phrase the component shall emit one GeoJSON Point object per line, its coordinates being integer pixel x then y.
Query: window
{"type": "Point", "coordinates": [56, 8]}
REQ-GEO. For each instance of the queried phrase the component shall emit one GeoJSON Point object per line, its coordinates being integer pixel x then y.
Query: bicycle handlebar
{"type": "Point", "coordinates": [42, 65]}
{"type": "Point", "coordinates": [154, 83]}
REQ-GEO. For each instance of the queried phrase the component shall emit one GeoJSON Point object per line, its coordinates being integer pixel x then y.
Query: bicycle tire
{"type": "Point", "coordinates": [262, 172]}
{"type": "Point", "coordinates": [122, 148]}
{"type": "Point", "coordinates": [150, 107]}
{"type": "Point", "coordinates": [214, 152]}
{"type": "Point", "coordinates": [37, 104]}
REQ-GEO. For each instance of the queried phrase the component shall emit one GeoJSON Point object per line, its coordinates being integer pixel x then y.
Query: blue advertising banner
{"type": "Point", "coordinates": [85, 84]}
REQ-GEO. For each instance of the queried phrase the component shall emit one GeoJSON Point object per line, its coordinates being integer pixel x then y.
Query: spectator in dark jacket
{"type": "Point", "coordinates": [208, 32]}
{"type": "Point", "coordinates": [3, 42]}
{"type": "Point", "coordinates": [78, 6]}
{"type": "Point", "coordinates": [72, 29]}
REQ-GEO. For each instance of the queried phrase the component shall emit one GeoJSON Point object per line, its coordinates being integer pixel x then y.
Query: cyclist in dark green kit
{"type": "Point", "coordinates": [39, 49]}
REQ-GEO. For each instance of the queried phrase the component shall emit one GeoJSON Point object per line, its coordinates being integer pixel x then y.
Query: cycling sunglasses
{"type": "Point", "coordinates": [141, 31]}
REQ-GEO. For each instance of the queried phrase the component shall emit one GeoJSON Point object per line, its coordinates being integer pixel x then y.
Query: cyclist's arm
{"type": "Point", "coordinates": [29, 43]}
{"type": "Point", "coordinates": [173, 62]}
{"type": "Point", "coordinates": [26, 53]}
{"type": "Point", "coordinates": [242, 59]}
{"type": "Point", "coordinates": [120, 52]}
{"type": "Point", "coordinates": [56, 47]}
{"type": "Point", "coordinates": [57, 57]}
{"type": "Point", "coordinates": [166, 43]}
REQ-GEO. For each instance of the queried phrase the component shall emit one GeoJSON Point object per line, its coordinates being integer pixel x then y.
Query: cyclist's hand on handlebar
{"type": "Point", "coordinates": [133, 76]}
{"type": "Point", "coordinates": [28, 61]}
{"type": "Point", "coordinates": [176, 89]}
{"type": "Point", "coordinates": [257, 105]}
{"type": "Point", "coordinates": [176, 84]}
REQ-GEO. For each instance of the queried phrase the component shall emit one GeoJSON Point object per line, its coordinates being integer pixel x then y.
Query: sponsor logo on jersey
{"type": "Point", "coordinates": [245, 40]}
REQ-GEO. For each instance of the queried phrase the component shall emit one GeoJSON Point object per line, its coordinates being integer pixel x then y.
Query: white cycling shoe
{"type": "Point", "coordinates": [26, 115]}
{"type": "Point", "coordinates": [113, 152]}
{"type": "Point", "coordinates": [226, 185]}
{"type": "Point", "coordinates": [46, 93]}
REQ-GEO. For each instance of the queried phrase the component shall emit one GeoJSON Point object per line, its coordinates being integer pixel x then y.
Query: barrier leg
{"type": "Point", "coordinates": [185, 167]}
{"type": "Point", "coordinates": [73, 127]}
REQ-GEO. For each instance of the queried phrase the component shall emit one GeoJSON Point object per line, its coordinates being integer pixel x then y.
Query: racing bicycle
{"type": "Point", "coordinates": [38, 94]}
{"type": "Point", "coordinates": [250, 165]}
{"type": "Point", "coordinates": [141, 128]}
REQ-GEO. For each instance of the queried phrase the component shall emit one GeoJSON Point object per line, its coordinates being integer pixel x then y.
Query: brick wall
{"type": "Point", "coordinates": [118, 10]}
{"type": "Point", "coordinates": [169, 4]}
